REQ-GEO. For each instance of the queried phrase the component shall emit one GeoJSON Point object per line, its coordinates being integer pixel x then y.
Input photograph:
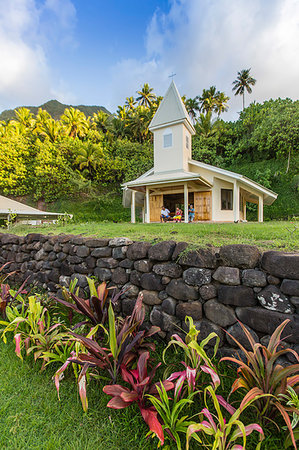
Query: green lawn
{"type": "Point", "coordinates": [32, 417]}
{"type": "Point", "coordinates": [268, 235]}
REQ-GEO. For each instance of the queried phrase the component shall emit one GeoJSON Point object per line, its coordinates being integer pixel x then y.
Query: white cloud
{"type": "Point", "coordinates": [207, 43]}
{"type": "Point", "coordinates": [25, 75]}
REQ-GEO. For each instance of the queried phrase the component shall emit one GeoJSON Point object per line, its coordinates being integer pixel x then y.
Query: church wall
{"type": "Point", "coordinates": [174, 157]}
{"type": "Point", "coordinates": [219, 215]}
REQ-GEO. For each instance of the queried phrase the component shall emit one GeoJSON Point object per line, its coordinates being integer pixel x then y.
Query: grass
{"type": "Point", "coordinates": [277, 235]}
{"type": "Point", "coordinates": [32, 418]}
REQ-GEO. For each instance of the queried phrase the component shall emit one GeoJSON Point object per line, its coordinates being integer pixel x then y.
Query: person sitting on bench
{"type": "Point", "coordinates": [191, 213]}
{"type": "Point", "coordinates": [164, 214]}
{"type": "Point", "coordinates": [178, 215]}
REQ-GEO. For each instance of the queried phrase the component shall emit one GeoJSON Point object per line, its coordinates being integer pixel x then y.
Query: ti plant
{"type": "Point", "coordinates": [196, 359]}
{"type": "Point", "coordinates": [170, 411]}
{"type": "Point", "coordinates": [264, 379]}
{"type": "Point", "coordinates": [7, 295]}
{"type": "Point", "coordinates": [141, 383]}
{"type": "Point", "coordinates": [224, 433]}
{"type": "Point", "coordinates": [95, 309]}
{"type": "Point", "coordinates": [123, 337]}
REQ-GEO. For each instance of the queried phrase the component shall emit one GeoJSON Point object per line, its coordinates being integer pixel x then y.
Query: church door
{"type": "Point", "coordinates": [156, 202]}
{"type": "Point", "coordinates": [203, 205]}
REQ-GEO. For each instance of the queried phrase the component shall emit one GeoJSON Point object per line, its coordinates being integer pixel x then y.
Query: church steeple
{"type": "Point", "coordinates": [172, 129]}
{"type": "Point", "coordinates": [171, 110]}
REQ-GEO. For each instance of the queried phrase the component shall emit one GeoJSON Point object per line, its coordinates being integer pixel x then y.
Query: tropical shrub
{"type": "Point", "coordinates": [141, 383]}
{"type": "Point", "coordinates": [225, 433]}
{"type": "Point", "coordinates": [263, 378]}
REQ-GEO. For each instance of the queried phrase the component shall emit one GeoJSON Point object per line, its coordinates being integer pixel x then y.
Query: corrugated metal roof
{"type": "Point", "coordinates": [7, 206]}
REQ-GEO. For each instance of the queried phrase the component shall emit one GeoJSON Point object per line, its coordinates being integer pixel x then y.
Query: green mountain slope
{"type": "Point", "coordinates": [55, 108]}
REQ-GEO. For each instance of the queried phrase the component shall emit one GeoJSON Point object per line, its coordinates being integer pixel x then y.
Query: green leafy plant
{"type": "Point", "coordinates": [225, 433]}
{"type": "Point", "coordinates": [264, 379]}
{"type": "Point", "coordinates": [170, 411]}
{"type": "Point", "coordinates": [196, 359]}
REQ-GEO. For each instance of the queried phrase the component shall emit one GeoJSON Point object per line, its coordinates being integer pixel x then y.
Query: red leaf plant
{"type": "Point", "coordinates": [141, 384]}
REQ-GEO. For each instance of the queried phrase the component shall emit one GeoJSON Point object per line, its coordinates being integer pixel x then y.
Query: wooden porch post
{"type": "Point", "coordinates": [185, 203]}
{"type": "Point", "coordinates": [244, 209]}
{"type": "Point", "coordinates": [261, 209]}
{"type": "Point", "coordinates": [236, 202]}
{"type": "Point", "coordinates": [147, 199]}
{"type": "Point", "coordinates": [133, 218]}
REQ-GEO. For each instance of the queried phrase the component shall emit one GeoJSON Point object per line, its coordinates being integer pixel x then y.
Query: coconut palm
{"type": "Point", "coordinates": [130, 103]}
{"type": "Point", "coordinates": [207, 100]}
{"type": "Point", "coordinates": [221, 103]}
{"type": "Point", "coordinates": [25, 117]}
{"type": "Point", "coordinates": [75, 122]}
{"type": "Point", "coordinates": [243, 82]}
{"type": "Point", "coordinates": [138, 123]}
{"type": "Point", "coordinates": [88, 156]}
{"type": "Point", "coordinates": [100, 121]}
{"type": "Point", "coordinates": [50, 129]}
{"type": "Point", "coordinates": [146, 96]}
{"type": "Point", "coordinates": [205, 125]}
{"type": "Point", "coordinates": [192, 106]}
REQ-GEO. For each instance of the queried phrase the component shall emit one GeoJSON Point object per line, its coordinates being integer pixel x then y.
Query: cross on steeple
{"type": "Point", "coordinates": [172, 75]}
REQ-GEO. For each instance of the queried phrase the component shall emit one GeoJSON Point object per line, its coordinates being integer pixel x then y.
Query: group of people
{"type": "Point", "coordinates": [165, 214]}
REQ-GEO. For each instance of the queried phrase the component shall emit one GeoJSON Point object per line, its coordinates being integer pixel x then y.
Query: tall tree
{"type": "Point", "coordinates": [207, 100]}
{"type": "Point", "coordinates": [75, 122]}
{"type": "Point", "coordinates": [243, 82]}
{"type": "Point", "coordinates": [192, 106]}
{"type": "Point", "coordinates": [221, 103]}
{"type": "Point", "coordinates": [146, 96]}
{"type": "Point", "coordinates": [130, 103]}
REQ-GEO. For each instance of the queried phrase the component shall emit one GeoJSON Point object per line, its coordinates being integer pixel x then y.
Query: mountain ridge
{"type": "Point", "coordinates": [55, 109]}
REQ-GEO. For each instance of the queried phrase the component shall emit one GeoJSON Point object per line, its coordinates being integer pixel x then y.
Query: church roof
{"type": "Point", "coordinates": [171, 110]}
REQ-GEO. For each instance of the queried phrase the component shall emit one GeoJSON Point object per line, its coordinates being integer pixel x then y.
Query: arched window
{"type": "Point", "coordinates": [167, 138]}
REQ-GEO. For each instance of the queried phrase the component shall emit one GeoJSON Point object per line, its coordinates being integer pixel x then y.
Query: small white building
{"type": "Point", "coordinates": [24, 213]}
{"type": "Point", "coordinates": [176, 179]}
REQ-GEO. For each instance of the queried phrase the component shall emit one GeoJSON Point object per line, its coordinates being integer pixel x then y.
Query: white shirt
{"type": "Point", "coordinates": [165, 212]}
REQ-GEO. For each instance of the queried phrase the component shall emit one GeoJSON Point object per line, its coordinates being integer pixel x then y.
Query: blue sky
{"type": "Point", "coordinates": [99, 51]}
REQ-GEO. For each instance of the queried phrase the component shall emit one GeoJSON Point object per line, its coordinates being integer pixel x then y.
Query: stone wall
{"type": "Point", "coordinates": [213, 286]}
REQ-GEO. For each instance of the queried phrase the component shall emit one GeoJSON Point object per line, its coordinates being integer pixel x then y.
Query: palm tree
{"type": "Point", "coordinates": [100, 120]}
{"type": "Point", "coordinates": [50, 129]}
{"type": "Point", "coordinates": [192, 107]}
{"type": "Point", "coordinates": [205, 125]}
{"type": "Point", "coordinates": [88, 157]}
{"type": "Point", "coordinates": [208, 99]}
{"type": "Point", "coordinates": [75, 122]}
{"type": "Point", "coordinates": [130, 103]}
{"type": "Point", "coordinates": [146, 96]}
{"type": "Point", "coordinates": [221, 103]}
{"type": "Point", "coordinates": [25, 117]}
{"type": "Point", "coordinates": [243, 81]}
{"type": "Point", "coordinates": [138, 123]}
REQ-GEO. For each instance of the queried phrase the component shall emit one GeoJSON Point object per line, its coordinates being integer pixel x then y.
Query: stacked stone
{"type": "Point", "coordinates": [215, 287]}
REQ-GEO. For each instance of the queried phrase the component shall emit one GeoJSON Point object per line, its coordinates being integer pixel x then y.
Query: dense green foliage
{"type": "Point", "coordinates": [47, 159]}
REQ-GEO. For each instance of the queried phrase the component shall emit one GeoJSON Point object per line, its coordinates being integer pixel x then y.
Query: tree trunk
{"type": "Point", "coordinates": [289, 159]}
{"type": "Point", "coordinates": [243, 101]}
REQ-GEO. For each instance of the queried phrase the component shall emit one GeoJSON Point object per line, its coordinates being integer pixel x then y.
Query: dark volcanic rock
{"type": "Point", "coordinates": [290, 287]}
{"type": "Point", "coordinates": [120, 276]}
{"type": "Point", "coordinates": [126, 263]}
{"type": "Point", "coordinates": [239, 255]}
{"type": "Point", "coordinates": [236, 295]}
{"type": "Point", "coordinates": [128, 306]}
{"type": "Point", "coordinates": [163, 320]}
{"type": "Point", "coordinates": [237, 332]}
{"type": "Point", "coordinates": [295, 303]}
{"type": "Point", "coordinates": [207, 291]}
{"type": "Point", "coordinates": [201, 257]}
{"type": "Point", "coordinates": [272, 298]}
{"type": "Point", "coordinates": [151, 298]}
{"type": "Point", "coordinates": [265, 321]}
{"type": "Point", "coordinates": [169, 305]}
{"type": "Point", "coordinates": [227, 275]}
{"type": "Point", "coordinates": [151, 282]}
{"type": "Point", "coordinates": [94, 243]}
{"type": "Point", "coordinates": [197, 277]}
{"type": "Point", "coordinates": [193, 310]}
{"type": "Point", "coordinates": [82, 251]}
{"type": "Point", "coordinates": [181, 291]}
{"type": "Point", "coordinates": [218, 313]}
{"type": "Point", "coordinates": [283, 265]}
{"type": "Point", "coordinates": [119, 252]}
{"type": "Point", "coordinates": [103, 274]}
{"type": "Point", "coordinates": [101, 252]}
{"type": "Point", "coordinates": [254, 278]}
{"type": "Point", "coordinates": [179, 248]}
{"type": "Point", "coordinates": [143, 265]}
{"type": "Point", "coordinates": [135, 277]}
{"type": "Point", "coordinates": [107, 263]}
{"type": "Point", "coordinates": [120, 242]}
{"type": "Point", "coordinates": [162, 251]}
{"type": "Point", "coordinates": [138, 250]}
{"type": "Point", "coordinates": [171, 270]}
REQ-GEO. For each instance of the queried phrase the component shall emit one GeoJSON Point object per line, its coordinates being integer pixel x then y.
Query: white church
{"type": "Point", "coordinates": [176, 179]}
